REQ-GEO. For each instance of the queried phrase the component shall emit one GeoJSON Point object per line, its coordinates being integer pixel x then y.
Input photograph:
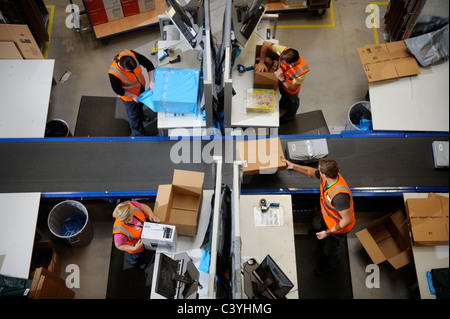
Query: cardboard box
{"type": "Point", "coordinates": [262, 156]}
{"type": "Point", "coordinates": [265, 80]}
{"type": "Point", "coordinates": [130, 7]}
{"type": "Point", "coordinates": [179, 203]}
{"type": "Point", "coordinates": [387, 61]}
{"type": "Point", "coordinates": [9, 51]}
{"type": "Point", "coordinates": [21, 35]}
{"type": "Point", "coordinates": [387, 238]}
{"type": "Point", "coordinates": [159, 236]}
{"type": "Point", "coordinates": [428, 218]}
{"type": "Point", "coordinates": [146, 5]}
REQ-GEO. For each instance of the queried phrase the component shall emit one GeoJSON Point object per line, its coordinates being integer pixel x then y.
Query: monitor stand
{"type": "Point", "coordinates": [253, 287]}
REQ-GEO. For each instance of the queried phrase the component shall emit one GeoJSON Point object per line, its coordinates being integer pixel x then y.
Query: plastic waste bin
{"type": "Point", "coordinates": [69, 220]}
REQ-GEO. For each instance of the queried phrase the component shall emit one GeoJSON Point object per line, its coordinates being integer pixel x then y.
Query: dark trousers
{"type": "Point", "coordinates": [331, 251]}
{"type": "Point", "coordinates": [288, 102]}
{"type": "Point", "coordinates": [135, 115]}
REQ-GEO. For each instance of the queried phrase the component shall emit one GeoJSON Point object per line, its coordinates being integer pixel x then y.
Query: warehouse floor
{"type": "Point", "coordinates": [335, 83]}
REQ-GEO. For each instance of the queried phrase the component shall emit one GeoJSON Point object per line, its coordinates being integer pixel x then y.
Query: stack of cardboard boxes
{"type": "Point", "coordinates": [17, 42]}
{"type": "Point", "coordinates": [102, 11]}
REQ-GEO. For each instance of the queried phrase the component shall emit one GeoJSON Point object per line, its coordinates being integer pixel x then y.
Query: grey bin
{"type": "Point", "coordinates": [359, 108]}
{"type": "Point", "coordinates": [70, 209]}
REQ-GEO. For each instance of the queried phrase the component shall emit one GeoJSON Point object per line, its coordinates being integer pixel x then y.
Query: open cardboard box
{"type": "Point", "coordinates": [387, 238]}
{"type": "Point", "coordinates": [265, 80]}
{"type": "Point", "coordinates": [387, 61]}
{"type": "Point", "coordinates": [428, 218]}
{"type": "Point", "coordinates": [178, 203]}
{"type": "Point", "coordinates": [261, 156]}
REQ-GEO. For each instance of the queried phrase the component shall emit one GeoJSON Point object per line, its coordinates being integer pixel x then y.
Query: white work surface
{"type": "Point", "coordinates": [242, 82]}
{"type": "Point", "coordinates": [276, 241]}
{"type": "Point", "coordinates": [18, 218]}
{"type": "Point", "coordinates": [427, 257]}
{"type": "Point", "coordinates": [416, 103]}
{"type": "Point", "coordinates": [191, 245]}
{"type": "Point", "coordinates": [25, 87]}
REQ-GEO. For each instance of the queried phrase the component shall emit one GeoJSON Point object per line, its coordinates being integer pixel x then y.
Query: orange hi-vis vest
{"type": "Point", "coordinates": [294, 72]}
{"type": "Point", "coordinates": [330, 215]}
{"type": "Point", "coordinates": [131, 232]}
{"type": "Point", "coordinates": [131, 81]}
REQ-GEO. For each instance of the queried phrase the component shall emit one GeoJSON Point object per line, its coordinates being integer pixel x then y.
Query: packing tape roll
{"type": "Point", "coordinates": [171, 52]}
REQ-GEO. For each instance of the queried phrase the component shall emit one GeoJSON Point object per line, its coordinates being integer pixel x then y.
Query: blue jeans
{"type": "Point", "coordinates": [135, 115]}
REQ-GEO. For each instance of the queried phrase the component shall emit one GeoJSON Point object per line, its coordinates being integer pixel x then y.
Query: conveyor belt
{"type": "Point", "coordinates": [83, 165]}
{"type": "Point", "coordinates": [376, 162]}
{"type": "Point", "coordinates": [98, 166]}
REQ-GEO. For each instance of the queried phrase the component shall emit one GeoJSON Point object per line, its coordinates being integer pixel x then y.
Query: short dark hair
{"type": "Point", "coordinates": [329, 167]}
{"type": "Point", "coordinates": [290, 56]}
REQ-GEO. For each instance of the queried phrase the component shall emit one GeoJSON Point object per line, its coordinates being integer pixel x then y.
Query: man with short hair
{"type": "Point", "coordinates": [336, 203]}
{"type": "Point", "coordinates": [290, 75]}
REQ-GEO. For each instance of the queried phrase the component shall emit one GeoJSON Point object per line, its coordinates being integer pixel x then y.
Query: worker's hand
{"type": "Point", "coordinates": [289, 165]}
{"type": "Point", "coordinates": [279, 74]}
{"type": "Point", "coordinates": [154, 219]}
{"type": "Point", "coordinates": [261, 67]}
{"type": "Point", "coordinates": [321, 235]}
{"type": "Point", "coordinates": [136, 98]}
{"type": "Point", "coordinates": [138, 245]}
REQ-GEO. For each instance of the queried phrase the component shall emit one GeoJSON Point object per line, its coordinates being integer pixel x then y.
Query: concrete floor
{"type": "Point", "coordinates": [335, 83]}
{"type": "Point", "coordinates": [328, 44]}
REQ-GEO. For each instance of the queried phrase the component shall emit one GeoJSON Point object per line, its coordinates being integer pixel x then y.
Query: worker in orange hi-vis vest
{"type": "Point", "coordinates": [290, 73]}
{"type": "Point", "coordinates": [128, 81]}
{"type": "Point", "coordinates": [336, 203]}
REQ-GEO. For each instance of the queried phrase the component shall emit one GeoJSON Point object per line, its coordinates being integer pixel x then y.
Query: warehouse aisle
{"type": "Point", "coordinates": [335, 83]}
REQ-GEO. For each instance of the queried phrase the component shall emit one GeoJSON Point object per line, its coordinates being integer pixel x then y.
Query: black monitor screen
{"type": "Point", "coordinates": [166, 284]}
{"type": "Point", "coordinates": [273, 278]}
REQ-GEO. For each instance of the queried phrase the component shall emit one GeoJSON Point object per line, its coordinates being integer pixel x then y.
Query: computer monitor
{"type": "Point", "coordinates": [188, 20]}
{"type": "Point", "coordinates": [174, 278]}
{"type": "Point", "coordinates": [246, 15]}
{"type": "Point", "coordinates": [166, 285]}
{"type": "Point", "coordinates": [274, 283]}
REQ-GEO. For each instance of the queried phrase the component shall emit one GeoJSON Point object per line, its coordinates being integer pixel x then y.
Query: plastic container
{"type": "Point", "coordinates": [69, 220]}
{"type": "Point", "coordinates": [359, 110]}
{"type": "Point", "coordinates": [57, 128]}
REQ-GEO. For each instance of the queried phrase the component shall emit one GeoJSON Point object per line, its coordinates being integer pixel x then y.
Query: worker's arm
{"type": "Point", "coordinates": [305, 170]}
{"type": "Point", "coordinates": [290, 86]}
{"type": "Point", "coordinates": [151, 79]}
{"type": "Point", "coordinates": [133, 96]}
{"type": "Point", "coordinates": [347, 219]}
{"type": "Point", "coordinates": [126, 247]}
{"type": "Point", "coordinates": [261, 67]}
{"type": "Point", "coordinates": [149, 213]}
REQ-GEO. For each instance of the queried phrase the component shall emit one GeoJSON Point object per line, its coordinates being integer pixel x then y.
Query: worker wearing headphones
{"type": "Point", "coordinates": [127, 81]}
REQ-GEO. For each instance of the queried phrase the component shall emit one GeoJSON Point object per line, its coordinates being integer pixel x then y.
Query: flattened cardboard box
{"type": "Point", "coordinates": [387, 239]}
{"type": "Point", "coordinates": [179, 203]}
{"type": "Point", "coordinates": [261, 156]}
{"type": "Point", "coordinates": [428, 218]}
{"type": "Point", "coordinates": [387, 61]}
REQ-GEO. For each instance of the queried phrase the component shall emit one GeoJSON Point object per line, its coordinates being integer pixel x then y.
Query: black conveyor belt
{"type": "Point", "coordinates": [376, 162]}
{"type": "Point", "coordinates": [141, 165]}
{"type": "Point", "coordinates": [85, 166]}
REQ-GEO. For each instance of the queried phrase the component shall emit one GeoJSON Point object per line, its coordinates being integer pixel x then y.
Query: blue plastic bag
{"type": "Point", "coordinates": [175, 91]}
{"type": "Point", "coordinates": [147, 98]}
